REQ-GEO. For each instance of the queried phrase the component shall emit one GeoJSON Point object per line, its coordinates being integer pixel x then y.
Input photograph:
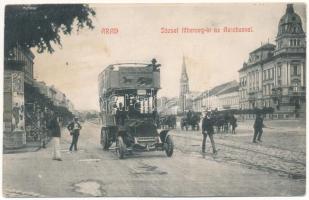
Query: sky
{"type": "Point", "coordinates": [211, 58]}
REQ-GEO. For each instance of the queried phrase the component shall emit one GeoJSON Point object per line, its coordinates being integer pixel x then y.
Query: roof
{"type": "Point", "coordinates": [267, 46]}
{"type": "Point", "coordinates": [291, 20]}
{"type": "Point", "coordinates": [216, 90]}
{"type": "Point", "coordinates": [230, 90]}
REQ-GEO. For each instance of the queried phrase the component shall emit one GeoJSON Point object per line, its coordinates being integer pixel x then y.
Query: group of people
{"type": "Point", "coordinates": [223, 123]}
{"type": "Point", "coordinates": [74, 128]}
{"type": "Point", "coordinates": [208, 124]}
{"type": "Point", "coordinates": [190, 119]}
{"type": "Point", "coordinates": [54, 130]}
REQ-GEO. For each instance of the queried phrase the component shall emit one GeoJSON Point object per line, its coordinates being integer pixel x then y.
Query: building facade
{"type": "Point", "coordinates": [229, 98]}
{"type": "Point", "coordinates": [26, 102]}
{"type": "Point", "coordinates": [221, 97]}
{"type": "Point", "coordinates": [274, 75]}
{"type": "Point", "coordinates": [168, 106]}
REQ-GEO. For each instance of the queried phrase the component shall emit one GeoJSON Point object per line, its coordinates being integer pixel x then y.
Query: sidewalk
{"type": "Point", "coordinates": [30, 147]}
{"type": "Point", "coordinates": [35, 174]}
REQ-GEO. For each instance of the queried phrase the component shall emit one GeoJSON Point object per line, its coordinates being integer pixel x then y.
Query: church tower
{"type": "Point", "coordinates": [290, 64]}
{"type": "Point", "coordinates": [184, 87]}
{"type": "Point", "coordinates": [291, 36]}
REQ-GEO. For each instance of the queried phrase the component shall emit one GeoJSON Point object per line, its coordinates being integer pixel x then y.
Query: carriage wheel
{"type": "Point", "coordinates": [169, 147]}
{"type": "Point", "coordinates": [104, 139]}
{"type": "Point", "coordinates": [121, 147]}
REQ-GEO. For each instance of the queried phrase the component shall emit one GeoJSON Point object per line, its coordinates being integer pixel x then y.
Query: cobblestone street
{"type": "Point", "coordinates": [269, 155]}
{"type": "Point", "coordinates": [255, 169]}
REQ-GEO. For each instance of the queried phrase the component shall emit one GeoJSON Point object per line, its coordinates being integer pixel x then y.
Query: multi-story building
{"type": "Point", "coordinates": [229, 98]}
{"type": "Point", "coordinates": [221, 97]}
{"type": "Point", "coordinates": [190, 98]}
{"type": "Point", "coordinates": [274, 75]}
{"type": "Point", "coordinates": [18, 78]}
{"type": "Point", "coordinates": [58, 97]}
{"type": "Point", "coordinates": [161, 104]}
{"type": "Point", "coordinates": [26, 100]}
{"type": "Point", "coordinates": [43, 88]}
{"type": "Point", "coordinates": [70, 106]}
{"type": "Point", "coordinates": [168, 106]}
{"type": "Point", "coordinates": [21, 59]}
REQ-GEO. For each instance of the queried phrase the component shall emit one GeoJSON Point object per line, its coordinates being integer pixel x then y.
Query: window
{"type": "Point", "coordinates": [279, 82]}
{"type": "Point", "coordinates": [257, 79]}
{"type": "Point", "coordinates": [294, 42]}
{"type": "Point", "coordinates": [295, 86]}
{"type": "Point", "coordinates": [280, 44]}
{"type": "Point", "coordinates": [272, 73]}
{"type": "Point", "coordinates": [268, 74]}
{"type": "Point", "coordinates": [279, 71]}
{"type": "Point", "coordinates": [295, 70]}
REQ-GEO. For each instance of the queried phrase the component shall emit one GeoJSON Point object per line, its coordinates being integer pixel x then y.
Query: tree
{"type": "Point", "coordinates": [40, 25]}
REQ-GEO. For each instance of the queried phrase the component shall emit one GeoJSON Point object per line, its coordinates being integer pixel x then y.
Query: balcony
{"type": "Point", "coordinates": [252, 96]}
{"type": "Point", "coordinates": [290, 50]}
{"type": "Point", "coordinates": [299, 93]}
{"type": "Point", "coordinates": [276, 92]}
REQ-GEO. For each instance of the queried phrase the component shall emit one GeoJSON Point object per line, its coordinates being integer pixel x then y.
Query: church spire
{"type": "Point", "coordinates": [184, 87]}
{"type": "Point", "coordinates": [289, 8]}
{"type": "Point", "coordinates": [184, 75]}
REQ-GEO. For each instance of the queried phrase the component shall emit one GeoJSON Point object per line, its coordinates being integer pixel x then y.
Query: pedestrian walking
{"type": "Point", "coordinates": [208, 129]}
{"type": "Point", "coordinates": [258, 128]}
{"type": "Point", "coordinates": [74, 128]}
{"type": "Point", "coordinates": [55, 133]}
{"type": "Point", "coordinates": [234, 124]}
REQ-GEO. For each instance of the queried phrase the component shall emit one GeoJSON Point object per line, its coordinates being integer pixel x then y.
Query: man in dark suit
{"type": "Point", "coordinates": [74, 128]}
{"type": "Point", "coordinates": [258, 128]}
{"type": "Point", "coordinates": [208, 129]}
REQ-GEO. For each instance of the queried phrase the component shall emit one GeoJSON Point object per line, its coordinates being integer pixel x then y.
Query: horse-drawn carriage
{"type": "Point", "coordinates": [128, 101]}
{"type": "Point", "coordinates": [191, 119]}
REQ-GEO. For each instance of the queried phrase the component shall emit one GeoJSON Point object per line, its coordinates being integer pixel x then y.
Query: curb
{"type": "Point", "coordinates": [21, 150]}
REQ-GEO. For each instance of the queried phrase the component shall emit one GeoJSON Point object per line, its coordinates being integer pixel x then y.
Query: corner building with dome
{"type": "Point", "coordinates": [275, 75]}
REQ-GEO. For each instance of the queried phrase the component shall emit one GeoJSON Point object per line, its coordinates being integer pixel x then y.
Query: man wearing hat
{"type": "Point", "coordinates": [154, 65]}
{"type": "Point", "coordinates": [74, 128]}
{"type": "Point", "coordinates": [258, 128]}
{"type": "Point", "coordinates": [208, 129]}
